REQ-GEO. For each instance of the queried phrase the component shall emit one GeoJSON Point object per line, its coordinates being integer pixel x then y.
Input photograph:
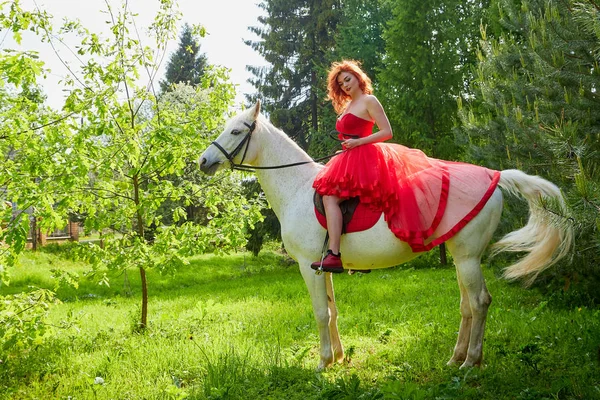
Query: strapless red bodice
{"type": "Point", "coordinates": [350, 124]}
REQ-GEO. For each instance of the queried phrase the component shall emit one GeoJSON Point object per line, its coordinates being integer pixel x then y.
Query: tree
{"type": "Point", "coordinates": [134, 144]}
{"type": "Point", "coordinates": [429, 50]}
{"type": "Point", "coordinates": [33, 142]}
{"type": "Point", "coordinates": [295, 39]}
{"type": "Point", "coordinates": [358, 37]}
{"type": "Point", "coordinates": [268, 228]}
{"type": "Point", "coordinates": [536, 108]}
{"type": "Point", "coordinates": [359, 34]}
{"type": "Point", "coordinates": [117, 152]}
{"type": "Point", "coordinates": [187, 64]}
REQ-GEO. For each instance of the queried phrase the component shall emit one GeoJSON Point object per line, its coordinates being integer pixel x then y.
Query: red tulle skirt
{"type": "Point", "coordinates": [414, 192]}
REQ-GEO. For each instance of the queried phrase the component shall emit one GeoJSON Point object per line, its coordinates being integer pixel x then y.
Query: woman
{"type": "Point", "coordinates": [350, 91]}
{"type": "Point", "coordinates": [408, 187]}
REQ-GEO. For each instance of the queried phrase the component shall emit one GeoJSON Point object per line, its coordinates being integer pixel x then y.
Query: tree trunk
{"type": "Point", "coordinates": [34, 233]}
{"type": "Point", "coordinates": [314, 110]}
{"type": "Point", "coordinates": [144, 320]}
{"type": "Point", "coordinates": [140, 231]}
{"type": "Point", "coordinates": [443, 259]}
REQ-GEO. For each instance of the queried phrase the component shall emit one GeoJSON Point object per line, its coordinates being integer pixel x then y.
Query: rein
{"type": "Point", "coordinates": [249, 168]}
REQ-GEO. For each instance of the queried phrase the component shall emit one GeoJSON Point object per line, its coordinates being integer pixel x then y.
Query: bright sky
{"type": "Point", "coordinates": [226, 22]}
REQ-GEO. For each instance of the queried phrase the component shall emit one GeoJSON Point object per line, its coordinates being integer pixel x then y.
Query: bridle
{"type": "Point", "coordinates": [235, 152]}
{"type": "Point", "coordinates": [249, 168]}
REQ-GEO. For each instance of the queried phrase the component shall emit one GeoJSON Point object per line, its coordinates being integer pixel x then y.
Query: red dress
{"type": "Point", "coordinates": [425, 201]}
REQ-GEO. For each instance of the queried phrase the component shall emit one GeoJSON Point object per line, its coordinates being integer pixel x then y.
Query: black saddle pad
{"type": "Point", "coordinates": [347, 206]}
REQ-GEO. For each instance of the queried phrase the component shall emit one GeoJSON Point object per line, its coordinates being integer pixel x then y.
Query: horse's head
{"type": "Point", "coordinates": [233, 145]}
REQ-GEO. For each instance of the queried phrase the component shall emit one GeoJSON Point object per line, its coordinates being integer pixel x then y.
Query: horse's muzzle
{"type": "Point", "coordinates": [209, 168]}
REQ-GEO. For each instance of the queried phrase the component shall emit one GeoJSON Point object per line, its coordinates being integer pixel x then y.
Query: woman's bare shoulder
{"type": "Point", "coordinates": [371, 98]}
{"type": "Point", "coordinates": [372, 102]}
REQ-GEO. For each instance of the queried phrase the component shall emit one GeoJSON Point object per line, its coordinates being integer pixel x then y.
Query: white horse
{"type": "Point", "coordinates": [249, 138]}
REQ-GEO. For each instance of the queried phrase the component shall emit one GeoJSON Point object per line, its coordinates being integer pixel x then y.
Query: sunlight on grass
{"type": "Point", "coordinates": [239, 327]}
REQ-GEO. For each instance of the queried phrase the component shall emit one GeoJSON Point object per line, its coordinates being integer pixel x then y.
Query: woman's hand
{"type": "Point", "coordinates": [351, 143]}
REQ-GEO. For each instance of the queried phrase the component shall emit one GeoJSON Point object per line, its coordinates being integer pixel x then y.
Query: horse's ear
{"type": "Point", "coordinates": [256, 109]}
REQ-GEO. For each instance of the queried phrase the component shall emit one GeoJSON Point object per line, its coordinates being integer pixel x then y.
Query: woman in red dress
{"type": "Point", "coordinates": [350, 91]}
{"type": "Point", "coordinates": [411, 189]}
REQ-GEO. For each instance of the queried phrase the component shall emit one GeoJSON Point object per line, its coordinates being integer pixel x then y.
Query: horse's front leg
{"type": "Point", "coordinates": [318, 295]}
{"type": "Point", "coordinates": [334, 334]}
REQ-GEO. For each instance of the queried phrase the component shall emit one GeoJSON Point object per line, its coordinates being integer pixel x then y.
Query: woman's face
{"type": "Point", "coordinates": [348, 83]}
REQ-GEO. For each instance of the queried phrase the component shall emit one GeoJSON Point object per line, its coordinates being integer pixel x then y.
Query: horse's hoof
{"type": "Point", "coordinates": [325, 363]}
{"type": "Point", "coordinates": [322, 366]}
{"type": "Point", "coordinates": [469, 364]}
{"type": "Point", "coordinates": [362, 271]}
{"type": "Point", "coordinates": [453, 362]}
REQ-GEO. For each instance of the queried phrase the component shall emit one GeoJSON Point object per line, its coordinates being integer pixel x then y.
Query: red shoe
{"type": "Point", "coordinates": [331, 263]}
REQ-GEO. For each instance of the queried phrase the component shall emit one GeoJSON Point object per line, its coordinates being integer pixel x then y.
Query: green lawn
{"type": "Point", "coordinates": [239, 327]}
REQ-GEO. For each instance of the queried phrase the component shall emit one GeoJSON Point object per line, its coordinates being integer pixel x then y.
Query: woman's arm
{"type": "Point", "coordinates": [377, 114]}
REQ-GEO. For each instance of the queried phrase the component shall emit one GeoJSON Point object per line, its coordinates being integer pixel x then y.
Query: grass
{"type": "Point", "coordinates": [239, 327]}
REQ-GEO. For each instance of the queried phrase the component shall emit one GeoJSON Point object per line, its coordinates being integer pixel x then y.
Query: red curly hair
{"type": "Point", "coordinates": [338, 97]}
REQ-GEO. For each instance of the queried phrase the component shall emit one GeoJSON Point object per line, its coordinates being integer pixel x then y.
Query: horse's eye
{"type": "Point", "coordinates": [235, 132]}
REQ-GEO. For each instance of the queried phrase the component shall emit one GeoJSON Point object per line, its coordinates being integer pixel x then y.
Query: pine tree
{"type": "Point", "coordinates": [187, 64]}
{"type": "Point", "coordinates": [429, 51]}
{"type": "Point", "coordinates": [296, 40]}
{"type": "Point", "coordinates": [537, 109]}
{"type": "Point", "coordinates": [360, 34]}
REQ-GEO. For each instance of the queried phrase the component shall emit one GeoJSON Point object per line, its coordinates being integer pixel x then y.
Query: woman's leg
{"type": "Point", "coordinates": [332, 261]}
{"type": "Point", "coordinates": [334, 221]}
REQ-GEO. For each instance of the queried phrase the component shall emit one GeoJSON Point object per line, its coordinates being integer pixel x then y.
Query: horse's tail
{"type": "Point", "coordinates": [546, 238]}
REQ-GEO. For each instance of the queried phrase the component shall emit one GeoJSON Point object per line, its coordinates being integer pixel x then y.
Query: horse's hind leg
{"type": "Point", "coordinates": [336, 343]}
{"type": "Point", "coordinates": [467, 248]}
{"type": "Point", "coordinates": [464, 332]}
{"type": "Point", "coordinates": [474, 304]}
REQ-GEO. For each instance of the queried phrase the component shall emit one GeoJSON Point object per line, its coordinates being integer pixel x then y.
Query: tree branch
{"type": "Point", "coordinates": [115, 194]}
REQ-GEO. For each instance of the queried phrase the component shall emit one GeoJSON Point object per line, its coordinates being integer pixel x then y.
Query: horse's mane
{"type": "Point", "coordinates": [263, 121]}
